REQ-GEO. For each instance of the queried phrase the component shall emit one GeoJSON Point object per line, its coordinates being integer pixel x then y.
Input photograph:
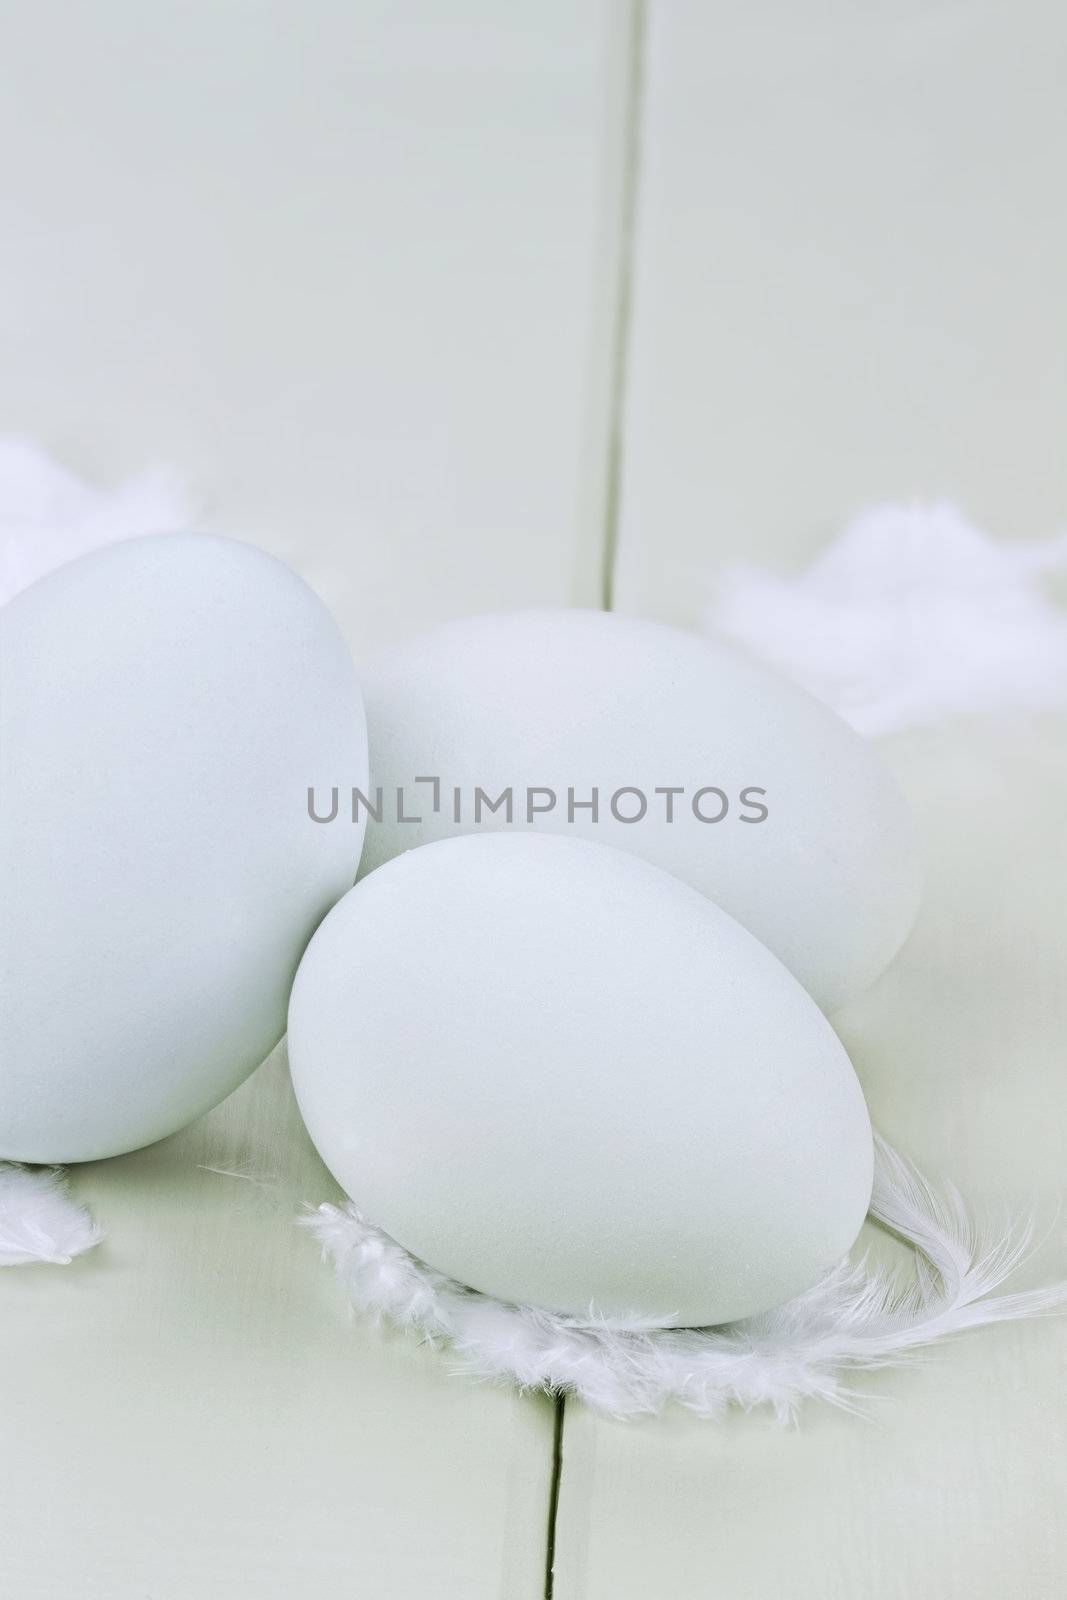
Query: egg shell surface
{"type": "Point", "coordinates": [164, 705]}
{"type": "Point", "coordinates": [567, 1079]}
{"type": "Point", "coordinates": [575, 700]}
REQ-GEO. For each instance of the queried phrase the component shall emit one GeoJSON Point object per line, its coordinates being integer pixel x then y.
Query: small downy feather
{"type": "Point", "coordinates": [857, 1318]}
{"type": "Point", "coordinates": [911, 615]}
{"type": "Point", "coordinates": [39, 1222]}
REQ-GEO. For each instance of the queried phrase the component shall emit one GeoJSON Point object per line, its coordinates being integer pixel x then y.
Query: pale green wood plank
{"type": "Point", "coordinates": [847, 281]}
{"type": "Point", "coordinates": [189, 1411]}
{"type": "Point", "coordinates": [352, 268]}
{"type": "Point", "coordinates": [955, 1488]}
{"type": "Point", "coordinates": [347, 265]}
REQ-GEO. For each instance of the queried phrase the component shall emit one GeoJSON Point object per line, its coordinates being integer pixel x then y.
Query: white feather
{"type": "Point", "coordinates": [857, 1318]}
{"type": "Point", "coordinates": [909, 616]}
{"type": "Point", "coordinates": [49, 516]}
{"type": "Point", "coordinates": [38, 1219]}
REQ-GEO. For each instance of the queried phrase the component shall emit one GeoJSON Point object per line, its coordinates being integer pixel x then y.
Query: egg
{"type": "Point", "coordinates": [565, 1078]}
{"type": "Point", "coordinates": [165, 704]}
{"type": "Point", "coordinates": [661, 743]}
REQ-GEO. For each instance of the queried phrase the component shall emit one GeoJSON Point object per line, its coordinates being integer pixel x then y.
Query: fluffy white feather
{"type": "Point", "coordinates": [911, 615]}
{"type": "Point", "coordinates": [38, 1219]}
{"type": "Point", "coordinates": [857, 1318]}
{"type": "Point", "coordinates": [49, 516]}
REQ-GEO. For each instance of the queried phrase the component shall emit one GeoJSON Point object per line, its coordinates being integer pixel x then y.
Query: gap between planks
{"type": "Point", "coordinates": [598, 514]}
{"type": "Point", "coordinates": [626, 75]}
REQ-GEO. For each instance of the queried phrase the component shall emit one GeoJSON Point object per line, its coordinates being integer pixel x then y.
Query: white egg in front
{"type": "Point", "coordinates": [165, 704]}
{"type": "Point", "coordinates": [701, 761]}
{"type": "Point", "coordinates": [565, 1078]}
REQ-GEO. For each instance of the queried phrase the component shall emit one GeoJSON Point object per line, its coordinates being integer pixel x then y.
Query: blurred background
{"type": "Point", "coordinates": [472, 305]}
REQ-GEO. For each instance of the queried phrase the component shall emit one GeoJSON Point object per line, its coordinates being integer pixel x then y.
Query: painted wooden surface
{"type": "Point", "coordinates": [468, 306]}
{"type": "Point", "coordinates": [348, 269]}
{"type": "Point", "coordinates": [954, 1485]}
{"type": "Point", "coordinates": [845, 288]}
{"type": "Point", "coordinates": [190, 1411]}
{"type": "Point", "coordinates": [847, 279]}
{"type": "Point", "coordinates": [346, 265]}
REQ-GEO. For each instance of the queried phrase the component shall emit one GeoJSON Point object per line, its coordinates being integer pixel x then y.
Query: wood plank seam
{"type": "Point", "coordinates": [633, 107]}
{"type": "Point", "coordinates": [632, 31]}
